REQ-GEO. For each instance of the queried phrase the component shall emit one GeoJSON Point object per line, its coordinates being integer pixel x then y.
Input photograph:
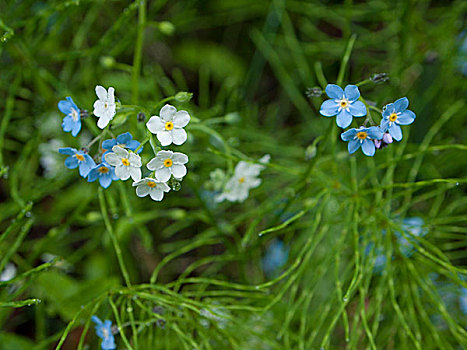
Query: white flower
{"type": "Point", "coordinates": [104, 107]}
{"type": "Point", "coordinates": [126, 163]}
{"type": "Point", "coordinates": [9, 273]}
{"type": "Point", "coordinates": [245, 177]}
{"type": "Point", "coordinates": [169, 126]}
{"type": "Point", "coordinates": [152, 187]}
{"type": "Point", "coordinates": [168, 163]}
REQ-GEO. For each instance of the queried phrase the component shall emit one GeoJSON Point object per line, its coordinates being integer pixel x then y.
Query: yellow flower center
{"type": "Point", "coordinates": [343, 104]}
{"type": "Point", "coordinates": [151, 184]}
{"type": "Point", "coordinates": [79, 157]}
{"type": "Point", "coordinates": [393, 117]}
{"type": "Point", "coordinates": [103, 170]}
{"type": "Point", "coordinates": [168, 162]}
{"type": "Point", "coordinates": [125, 162]}
{"type": "Point", "coordinates": [362, 135]}
{"type": "Point", "coordinates": [74, 114]}
{"type": "Point", "coordinates": [169, 126]}
{"type": "Point", "coordinates": [241, 180]}
{"type": "Point", "coordinates": [106, 105]}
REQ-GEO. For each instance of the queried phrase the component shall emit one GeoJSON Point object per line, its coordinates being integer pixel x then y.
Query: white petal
{"type": "Point", "coordinates": [163, 174]}
{"type": "Point", "coordinates": [140, 182]}
{"type": "Point", "coordinates": [135, 173]}
{"type": "Point", "coordinates": [112, 159]}
{"type": "Point", "coordinates": [156, 194]}
{"type": "Point", "coordinates": [155, 163]}
{"type": "Point", "coordinates": [178, 136]}
{"type": "Point", "coordinates": [121, 152]}
{"type": "Point", "coordinates": [181, 119]}
{"type": "Point", "coordinates": [111, 110]}
{"type": "Point", "coordinates": [122, 172]}
{"type": "Point", "coordinates": [164, 154]}
{"type": "Point", "coordinates": [178, 170]}
{"type": "Point", "coordinates": [179, 158]}
{"type": "Point", "coordinates": [163, 186]}
{"type": "Point", "coordinates": [253, 182]}
{"type": "Point", "coordinates": [135, 160]}
{"type": "Point", "coordinates": [99, 109]}
{"type": "Point", "coordinates": [142, 190]}
{"type": "Point", "coordinates": [101, 92]}
{"type": "Point", "coordinates": [164, 137]}
{"type": "Point", "coordinates": [111, 96]}
{"type": "Point", "coordinates": [167, 112]}
{"type": "Point", "coordinates": [155, 124]}
{"type": "Point", "coordinates": [102, 122]}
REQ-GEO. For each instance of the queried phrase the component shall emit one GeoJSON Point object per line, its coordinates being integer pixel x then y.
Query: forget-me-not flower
{"type": "Point", "coordinates": [362, 137]}
{"type": "Point", "coordinates": [276, 256]}
{"type": "Point", "coordinates": [151, 186]}
{"type": "Point", "coordinates": [395, 114]}
{"type": "Point", "coordinates": [413, 226]}
{"type": "Point", "coordinates": [343, 103]}
{"type": "Point", "coordinates": [123, 140]}
{"type": "Point", "coordinates": [167, 163]}
{"type": "Point", "coordinates": [72, 120]}
{"type": "Point", "coordinates": [126, 163]}
{"type": "Point", "coordinates": [78, 159]}
{"type": "Point", "coordinates": [104, 172]}
{"type": "Point", "coordinates": [104, 331]}
{"type": "Point", "coordinates": [379, 256]}
{"type": "Point", "coordinates": [104, 107]}
{"type": "Point", "coordinates": [169, 126]}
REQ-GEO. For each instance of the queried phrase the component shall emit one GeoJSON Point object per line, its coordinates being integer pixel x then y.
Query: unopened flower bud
{"type": "Point", "coordinates": [85, 150]}
{"type": "Point", "coordinates": [161, 323]}
{"type": "Point", "coordinates": [83, 113]}
{"type": "Point", "coordinates": [377, 144]}
{"type": "Point", "coordinates": [107, 61]}
{"type": "Point", "coordinates": [175, 184]}
{"type": "Point", "coordinates": [387, 138]}
{"type": "Point", "coordinates": [141, 117]}
{"type": "Point", "coordinates": [379, 78]}
{"type": "Point", "coordinates": [166, 27]}
{"type": "Point", "coordinates": [183, 96]}
{"type": "Point", "coordinates": [313, 92]}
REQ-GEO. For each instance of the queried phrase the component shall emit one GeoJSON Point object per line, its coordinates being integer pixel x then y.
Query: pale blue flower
{"type": "Point", "coordinates": [379, 256]}
{"type": "Point", "coordinates": [463, 300]}
{"type": "Point", "coordinates": [78, 159]}
{"type": "Point", "coordinates": [412, 227]}
{"type": "Point", "coordinates": [104, 172]}
{"type": "Point", "coordinates": [396, 114]}
{"type": "Point", "coordinates": [343, 103]}
{"type": "Point", "coordinates": [72, 120]}
{"type": "Point", "coordinates": [276, 256]}
{"type": "Point", "coordinates": [362, 137]}
{"type": "Point", "coordinates": [104, 331]}
{"type": "Point", "coordinates": [124, 140]}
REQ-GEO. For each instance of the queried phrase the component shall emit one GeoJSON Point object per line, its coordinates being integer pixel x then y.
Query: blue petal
{"type": "Point", "coordinates": [384, 125]}
{"type": "Point", "coordinates": [73, 105]}
{"type": "Point", "coordinates": [368, 147]}
{"type": "Point", "coordinates": [401, 104]}
{"type": "Point", "coordinates": [76, 128]}
{"type": "Point", "coordinates": [108, 144]}
{"type": "Point", "coordinates": [348, 135]}
{"type": "Point", "coordinates": [108, 343]}
{"type": "Point", "coordinates": [387, 110]}
{"type": "Point", "coordinates": [344, 119]}
{"type": "Point", "coordinates": [65, 106]}
{"type": "Point", "coordinates": [395, 131]}
{"type": "Point", "coordinates": [329, 108]}
{"type": "Point", "coordinates": [67, 150]}
{"type": "Point", "coordinates": [105, 180]}
{"type": "Point", "coordinates": [68, 123]}
{"type": "Point", "coordinates": [351, 92]}
{"type": "Point", "coordinates": [133, 144]}
{"type": "Point", "coordinates": [375, 133]}
{"type": "Point", "coordinates": [112, 174]}
{"type": "Point", "coordinates": [353, 145]}
{"type": "Point", "coordinates": [93, 174]}
{"type": "Point", "coordinates": [334, 91]}
{"type": "Point", "coordinates": [357, 109]}
{"type": "Point", "coordinates": [96, 320]}
{"type": "Point", "coordinates": [71, 162]}
{"type": "Point", "coordinates": [86, 166]}
{"type": "Point", "coordinates": [405, 118]}
{"type": "Point", "coordinates": [123, 139]}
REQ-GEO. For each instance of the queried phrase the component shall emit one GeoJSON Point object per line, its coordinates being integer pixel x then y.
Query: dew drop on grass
{"type": "Point", "coordinates": [345, 299]}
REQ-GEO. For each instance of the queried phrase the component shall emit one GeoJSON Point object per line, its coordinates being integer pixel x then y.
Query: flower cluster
{"type": "Point", "coordinates": [118, 158]}
{"type": "Point", "coordinates": [345, 105]}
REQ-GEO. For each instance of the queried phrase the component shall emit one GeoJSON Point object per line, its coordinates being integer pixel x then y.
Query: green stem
{"type": "Point", "coordinates": [138, 50]}
{"type": "Point", "coordinates": [345, 59]}
{"type": "Point", "coordinates": [109, 228]}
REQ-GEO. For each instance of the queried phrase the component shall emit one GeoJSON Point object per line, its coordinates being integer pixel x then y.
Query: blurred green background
{"type": "Point", "coordinates": [249, 65]}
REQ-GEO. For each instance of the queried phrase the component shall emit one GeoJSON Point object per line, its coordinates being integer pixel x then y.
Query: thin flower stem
{"type": "Point", "coordinates": [109, 228]}
{"type": "Point", "coordinates": [345, 59]}
{"type": "Point", "coordinates": [364, 82]}
{"type": "Point", "coordinates": [368, 118]}
{"type": "Point", "coordinates": [138, 51]}
{"type": "Point", "coordinates": [98, 137]}
{"type": "Point", "coordinates": [142, 144]}
{"type": "Point", "coordinates": [320, 75]}
{"type": "Point", "coordinates": [167, 99]}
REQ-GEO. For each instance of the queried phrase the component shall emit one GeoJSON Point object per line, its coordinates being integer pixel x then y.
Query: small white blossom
{"type": "Point", "coordinates": [167, 163]}
{"type": "Point", "coordinates": [104, 107]}
{"type": "Point", "coordinates": [245, 178]}
{"type": "Point", "coordinates": [8, 273]}
{"type": "Point", "coordinates": [150, 186]}
{"type": "Point", "coordinates": [169, 126]}
{"type": "Point", "coordinates": [126, 163]}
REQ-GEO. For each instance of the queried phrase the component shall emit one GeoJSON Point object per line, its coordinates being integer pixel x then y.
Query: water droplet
{"type": "Point", "coordinates": [260, 234]}
{"type": "Point", "coordinates": [28, 214]}
{"type": "Point", "coordinates": [345, 299]}
{"type": "Point", "coordinates": [347, 339]}
{"type": "Point", "coordinates": [129, 309]}
{"type": "Point", "coordinates": [457, 184]}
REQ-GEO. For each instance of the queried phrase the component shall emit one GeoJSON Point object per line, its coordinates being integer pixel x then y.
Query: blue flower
{"type": "Point", "coordinates": [380, 258]}
{"type": "Point", "coordinates": [362, 138]}
{"type": "Point", "coordinates": [276, 256]}
{"type": "Point", "coordinates": [412, 227]}
{"type": "Point", "coordinates": [78, 158]}
{"type": "Point", "coordinates": [124, 140]}
{"type": "Point", "coordinates": [463, 300]}
{"type": "Point", "coordinates": [395, 114]}
{"type": "Point", "coordinates": [343, 103]}
{"type": "Point", "coordinates": [104, 331]}
{"type": "Point", "coordinates": [72, 120]}
{"type": "Point", "coordinates": [104, 172]}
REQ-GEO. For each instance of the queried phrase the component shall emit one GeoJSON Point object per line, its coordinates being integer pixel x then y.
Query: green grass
{"type": "Point", "coordinates": [248, 65]}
